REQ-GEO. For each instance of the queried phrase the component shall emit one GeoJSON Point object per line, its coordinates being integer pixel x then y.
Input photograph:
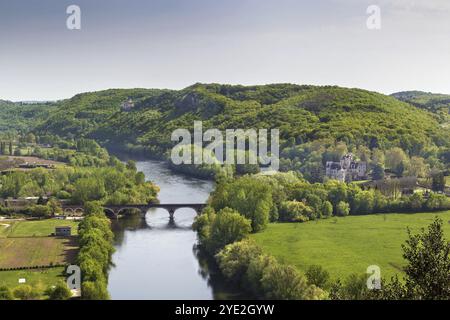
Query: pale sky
{"type": "Point", "coordinates": [175, 43]}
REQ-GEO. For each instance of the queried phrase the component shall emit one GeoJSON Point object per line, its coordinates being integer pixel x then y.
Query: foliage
{"type": "Point", "coordinates": [244, 263]}
{"type": "Point", "coordinates": [111, 185]}
{"type": "Point", "coordinates": [318, 276]}
{"type": "Point", "coordinates": [96, 249]}
{"type": "Point", "coordinates": [5, 293]}
{"type": "Point", "coordinates": [26, 292]}
{"type": "Point", "coordinates": [59, 292]}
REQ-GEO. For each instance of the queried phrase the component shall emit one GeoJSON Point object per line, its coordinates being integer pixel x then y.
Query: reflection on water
{"type": "Point", "coordinates": [157, 258]}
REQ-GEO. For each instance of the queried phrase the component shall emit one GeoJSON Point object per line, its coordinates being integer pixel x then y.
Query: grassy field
{"type": "Point", "coordinates": [44, 251]}
{"type": "Point", "coordinates": [38, 278]}
{"type": "Point", "coordinates": [36, 228]}
{"type": "Point", "coordinates": [27, 243]}
{"type": "Point", "coordinates": [346, 245]}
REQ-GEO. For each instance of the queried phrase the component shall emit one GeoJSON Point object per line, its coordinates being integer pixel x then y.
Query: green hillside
{"type": "Point", "coordinates": [317, 124]}
{"type": "Point", "coordinates": [433, 102]}
{"type": "Point", "coordinates": [23, 116]}
{"type": "Point", "coordinates": [303, 113]}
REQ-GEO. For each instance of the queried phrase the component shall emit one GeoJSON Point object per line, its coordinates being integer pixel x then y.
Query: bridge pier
{"type": "Point", "coordinates": [171, 214]}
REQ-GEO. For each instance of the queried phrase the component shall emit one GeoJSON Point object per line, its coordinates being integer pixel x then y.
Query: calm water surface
{"type": "Point", "coordinates": [157, 259]}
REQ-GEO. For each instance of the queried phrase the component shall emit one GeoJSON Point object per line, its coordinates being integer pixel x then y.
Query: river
{"type": "Point", "coordinates": [156, 259]}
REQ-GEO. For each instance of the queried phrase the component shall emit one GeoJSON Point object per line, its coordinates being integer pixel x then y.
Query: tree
{"type": "Point", "coordinates": [235, 258]}
{"type": "Point", "coordinates": [396, 159]}
{"type": "Point", "coordinates": [363, 202]}
{"type": "Point", "coordinates": [428, 268]}
{"type": "Point", "coordinates": [248, 196]}
{"type": "Point", "coordinates": [94, 291]}
{"type": "Point", "coordinates": [295, 211]}
{"type": "Point", "coordinates": [131, 165]}
{"type": "Point", "coordinates": [378, 172]}
{"type": "Point", "coordinates": [88, 189]}
{"type": "Point", "coordinates": [438, 182]}
{"type": "Point", "coordinates": [282, 282]}
{"type": "Point", "coordinates": [30, 138]}
{"type": "Point", "coordinates": [343, 209]}
{"type": "Point", "coordinates": [417, 167]}
{"type": "Point", "coordinates": [59, 292]}
{"type": "Point", "coordinates": [227, 227]}
{"type": "Point", "coordinates": [327, 209]}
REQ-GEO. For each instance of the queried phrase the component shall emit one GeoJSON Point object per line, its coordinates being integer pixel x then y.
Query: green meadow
{"type": "Point", "coordinates": [28, 243]}
{"type": "Point", "coordinates": [346, 245]}
{"type": "Point", "coordinates": [38, 278]}
{"type": "Point", "coordinates": [36, 228]}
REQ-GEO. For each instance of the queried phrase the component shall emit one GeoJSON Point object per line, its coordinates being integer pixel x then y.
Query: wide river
{"type": "Point", "coordinates": [156, 259]}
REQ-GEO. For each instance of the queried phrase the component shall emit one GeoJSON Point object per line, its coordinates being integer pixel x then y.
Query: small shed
{"type": "Point", "coordinates": [64, 231]}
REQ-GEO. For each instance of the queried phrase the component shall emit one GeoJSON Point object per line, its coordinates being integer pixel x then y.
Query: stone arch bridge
{"type": "Point", "coordinates": [115, 211]}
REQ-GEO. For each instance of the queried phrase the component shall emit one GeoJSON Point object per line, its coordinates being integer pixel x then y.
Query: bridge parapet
{"type": "Point", "coordinates": [116, 209]}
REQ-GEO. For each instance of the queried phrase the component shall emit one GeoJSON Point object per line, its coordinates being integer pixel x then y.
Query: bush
{"type": "Point", "coordinates": [281, 282]}
{"type": "Point", "coordinates": [318, 276]}
{"type": "Point", "coordinates": [5, 293]}
{"type": "Point", "coordinates": [234, 259]}
{"type": "Point", "coordinates": [296, 211]}
{"type": "Point", "coordinates": [25, 292]}
{"type": "Point", "coordinates": [59, 292]}
{"type": "Point", "coordinates": [343, 209]}
{"type": "Point", "coordinates": [94, 290]}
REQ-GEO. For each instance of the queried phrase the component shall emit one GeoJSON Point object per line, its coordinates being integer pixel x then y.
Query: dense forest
{"type": "Point", "coordinates": [20, 117]}
{"type": "Point", "coordinates": [436, 103]}
{"type": "Point", "coordinates": [316, 124]}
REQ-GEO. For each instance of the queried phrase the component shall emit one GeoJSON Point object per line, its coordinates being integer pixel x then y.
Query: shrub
{"type": "Point", "coordinates": [296, 211]}
{"type": "Point", "coordinates": [25, 292]}
{"type": "Point", "coordinates": [5, 293]}
{"type": "Point", "coordinates": [318, 276]}
{"type": "Point", "coordinates": [343, 209]}
{"type": "Point", "coordinates": [59, 292]}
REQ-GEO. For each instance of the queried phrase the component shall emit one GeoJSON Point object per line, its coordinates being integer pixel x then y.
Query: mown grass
{"type": "Point", "coordinates": [346, 245]}
{"type": "Point", "coordinates": [37, 228]}
{"type": "Point", "coordinates": [39, 251]}
{"type": "Point", "coordinates": [36, 278]}
{"type": "Point", "coordinates": [27, 243]}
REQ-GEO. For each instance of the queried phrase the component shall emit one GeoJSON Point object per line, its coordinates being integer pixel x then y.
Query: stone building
{"type": "Point", "coordinates": [63, 231]}
{"type": "Point", "coordinates": [347, 169]}
{"type": "Point", "coordinates": [128, 105]}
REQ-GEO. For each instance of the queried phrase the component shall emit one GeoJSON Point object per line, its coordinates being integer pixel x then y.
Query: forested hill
{"type": "Point", "coordinates": [433, 102]}
{"type": "Point", "coordinates": [23, 116]}
{"type": "Point", "coordinates": [302, 113]}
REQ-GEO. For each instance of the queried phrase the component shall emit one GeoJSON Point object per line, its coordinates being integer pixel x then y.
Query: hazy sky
{"type": "Point", "coordinates": [175, 43]}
